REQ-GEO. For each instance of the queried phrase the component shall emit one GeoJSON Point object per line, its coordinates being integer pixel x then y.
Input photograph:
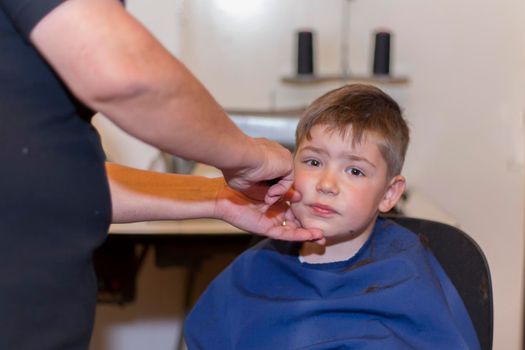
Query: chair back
{"type": "Point", "coordinates": [465, 264]}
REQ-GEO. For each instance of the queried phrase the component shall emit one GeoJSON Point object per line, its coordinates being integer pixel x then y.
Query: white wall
{"type": "Point", "coordinates": [162, 19]}
{"type": "Point", "coordinates": [465, 101]}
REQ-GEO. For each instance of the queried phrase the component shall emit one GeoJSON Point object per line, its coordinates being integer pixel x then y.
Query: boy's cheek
{"type": "Point", "coordinates": [300, 184]}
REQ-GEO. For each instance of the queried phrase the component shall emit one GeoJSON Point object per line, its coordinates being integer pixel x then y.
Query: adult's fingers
{"type": "Point", "coordinates": [279, 190]}
{"type": "Point", "coordinates": [289, 231]}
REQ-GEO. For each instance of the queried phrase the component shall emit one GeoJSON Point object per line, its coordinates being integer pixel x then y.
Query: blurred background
{"type": "Point", "coordinates": [462, 90]}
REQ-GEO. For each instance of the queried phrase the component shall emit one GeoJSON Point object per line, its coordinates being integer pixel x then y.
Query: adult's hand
{"type": "Point", "coordinates": [275, 221]}
{"type": "Point", "coordinates": [139, 195]}
{"type": "Point", "coordinates": [270, 176]}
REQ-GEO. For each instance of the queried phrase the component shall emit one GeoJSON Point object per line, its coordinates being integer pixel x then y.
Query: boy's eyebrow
{"type": "Point", "coordinates": [313, 149]}
{"type": "Point", "coordinates": [360, 159]}
{"type": "Point", "coordinates": [349, 156]}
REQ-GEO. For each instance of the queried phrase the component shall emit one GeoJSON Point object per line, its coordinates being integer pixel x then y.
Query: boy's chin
{"type": "Point", "coordinates": [328, 231]}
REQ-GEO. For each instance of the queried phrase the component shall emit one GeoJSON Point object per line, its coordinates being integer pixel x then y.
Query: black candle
{"type": "Point", "coordinates": [382, 53]}
{"type": "Point", "coordinates": [305, 53]}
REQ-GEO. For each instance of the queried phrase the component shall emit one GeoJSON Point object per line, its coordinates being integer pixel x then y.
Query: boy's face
{"type": "Point", "coordinates": [343, 186]}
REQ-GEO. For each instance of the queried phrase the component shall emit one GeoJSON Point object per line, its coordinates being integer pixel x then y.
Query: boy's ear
{"type": "Point", "coordinates": [393, 193]}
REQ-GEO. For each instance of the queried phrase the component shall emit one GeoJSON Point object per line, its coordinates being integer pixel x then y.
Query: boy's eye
{"type": "Point", "coordinates": [312, 162]}
{"type": "Point", "coordinates": [355, 172]}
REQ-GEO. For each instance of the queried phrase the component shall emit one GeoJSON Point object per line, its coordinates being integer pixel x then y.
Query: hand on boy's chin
{"type": "Point", "coordinates": [292, 197]}
{"type": "Point", "coordinates": [276, 221]}
{"type": "Point", "coordinates": [288, 227]}
{"type": "Point", "coordinates": [306, 226]}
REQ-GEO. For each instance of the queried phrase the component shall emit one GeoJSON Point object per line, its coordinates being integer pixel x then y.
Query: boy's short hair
{"type": "Point", "coordinates": [359, 109]}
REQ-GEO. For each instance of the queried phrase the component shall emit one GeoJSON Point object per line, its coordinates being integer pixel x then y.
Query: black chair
{"type": "Point", "coordinates": [466, 265]}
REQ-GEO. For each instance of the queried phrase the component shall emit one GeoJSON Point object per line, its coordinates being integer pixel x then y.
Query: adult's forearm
{"type": "Point", "coordinates": [114, 65]}
{"type": "Point", "coordinates": [139, 195]}
{"type": "Point", "coordinates": [180, 117]}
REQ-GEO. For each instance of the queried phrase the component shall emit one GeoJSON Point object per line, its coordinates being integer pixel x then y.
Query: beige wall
{"type": "Point", "coordinates": [465, 101]}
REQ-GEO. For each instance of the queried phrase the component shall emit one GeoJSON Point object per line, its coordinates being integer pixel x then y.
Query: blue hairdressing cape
{"type": "Point", "coordinates": [392, 294]}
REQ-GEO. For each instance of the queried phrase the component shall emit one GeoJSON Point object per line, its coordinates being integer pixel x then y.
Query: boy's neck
{"type": "Point", "coordinates": [340, 250]}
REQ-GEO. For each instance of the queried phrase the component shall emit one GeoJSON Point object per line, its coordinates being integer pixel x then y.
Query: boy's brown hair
{"type": "Point", "coordinates": [360, 109]}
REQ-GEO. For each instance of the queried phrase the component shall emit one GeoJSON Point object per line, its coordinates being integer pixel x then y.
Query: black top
{"type": "Point", "coordinates": [54, 198]}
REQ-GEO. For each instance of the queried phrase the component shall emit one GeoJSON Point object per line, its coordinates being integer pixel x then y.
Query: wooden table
{"type": "Point", "coordinates": [185, 243]}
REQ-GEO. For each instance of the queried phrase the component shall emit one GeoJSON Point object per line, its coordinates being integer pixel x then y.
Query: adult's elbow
{"type": "Point", "coordinates": [112, 87]}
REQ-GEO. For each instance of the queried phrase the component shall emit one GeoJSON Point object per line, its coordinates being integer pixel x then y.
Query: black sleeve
{"type": "Point", "coordinates": [25, 14]}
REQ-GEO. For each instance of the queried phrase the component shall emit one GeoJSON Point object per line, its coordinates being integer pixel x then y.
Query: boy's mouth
{"type": "Point", "coordinates": [323, 210]}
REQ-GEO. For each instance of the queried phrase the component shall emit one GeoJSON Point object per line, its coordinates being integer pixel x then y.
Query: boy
{"type": "Point", "coordinates": [372, 285]}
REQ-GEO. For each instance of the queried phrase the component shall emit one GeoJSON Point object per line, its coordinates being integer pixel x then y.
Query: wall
{"type": "Point", "coordinates": [465, 101]}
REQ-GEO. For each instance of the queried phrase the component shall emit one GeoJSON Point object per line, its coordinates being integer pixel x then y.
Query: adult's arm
{"type": "Point", "coordinates": [139, 195]}
{"type": "Point", "coordinates": [115, 66]}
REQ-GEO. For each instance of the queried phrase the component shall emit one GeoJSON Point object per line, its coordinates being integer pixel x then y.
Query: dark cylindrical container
{"type": "Point", "coordinates": [305, 53]}
{"type": "Point", "coordinates": [382, 53]}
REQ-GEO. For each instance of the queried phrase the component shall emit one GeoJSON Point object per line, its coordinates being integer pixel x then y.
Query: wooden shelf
{"type": "Point", "coordinates": [370, 79]}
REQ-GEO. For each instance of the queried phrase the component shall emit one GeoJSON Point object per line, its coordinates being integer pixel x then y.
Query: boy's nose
{"type": "Point", "coordinates": [327, 184]}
